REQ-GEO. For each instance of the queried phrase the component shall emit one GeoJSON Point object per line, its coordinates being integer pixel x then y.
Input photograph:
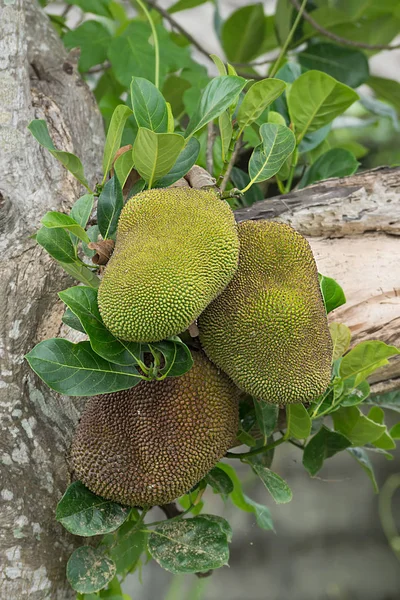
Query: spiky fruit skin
{"type": "Point", "coordinates": [268, 330]}
{"type": "Point", "coordinates": [176, 250]}
{"type": "Point", "coordinates": [152, 443]}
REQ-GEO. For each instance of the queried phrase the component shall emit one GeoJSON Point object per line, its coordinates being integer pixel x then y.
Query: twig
{"type": "Point", "coordinates": [155, 41]}
{"type": "Point", "coordinates": [66, 10]}
{"type": "Point", "coordinates": [231, 164]}
{"type": "Point", "coordinates": [285, 46]}
{"type": "Point", "coordinates": [256, 451]}
{"type": "Point", "coordinates": [171, 510]}
{"type": "Point", "coordinates": [336, 38]}
{"type": "Point", "coordinates": [210, 143]}
{"type": "Point", "coordinates": [179, 28]}
{"type": "Point", "coordinates": [99, 68]}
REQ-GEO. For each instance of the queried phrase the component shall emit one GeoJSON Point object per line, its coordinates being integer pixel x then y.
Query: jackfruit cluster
{"type": "Point", "coordinates": [152, 443]}
{"type": "Point", "coordinates": [268, 330]}
{"type": "Point", "coordinates": [176, 250]}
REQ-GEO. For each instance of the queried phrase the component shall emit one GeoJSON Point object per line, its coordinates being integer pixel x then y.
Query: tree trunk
{"type": "Point", "coordinates": [37, 80]}
{"type": "Point", "coordinates": [351, 224]}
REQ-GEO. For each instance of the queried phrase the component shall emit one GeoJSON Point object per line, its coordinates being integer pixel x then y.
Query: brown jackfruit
{"type": "Point", "coordinates": [176, 250]}
{"type": "Point", "coordinates": [268, 330]}
{"type": "Point", "coordinates": [153, 443]}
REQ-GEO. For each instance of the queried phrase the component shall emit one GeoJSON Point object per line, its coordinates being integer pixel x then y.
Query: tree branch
{"type": "Point", "coordinates": [336, 38]}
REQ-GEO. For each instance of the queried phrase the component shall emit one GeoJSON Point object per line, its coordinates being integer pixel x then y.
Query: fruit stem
{"type": "Point", "coordinates": [256, 451]}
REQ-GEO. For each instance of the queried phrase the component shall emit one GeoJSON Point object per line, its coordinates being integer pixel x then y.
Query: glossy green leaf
{"type": "Point", "coordinates": [83, 513]}
{"type": "Point", "coordinates": [257, 99]}
{"type": "Point", "coordinates": [332, 293]}
{"type": "Point", "coordinates": [57, 243]}
{"type": "Point", "coordinates": [81, 211]}
{"type": "Point", "coordinates": [261, 512]}
{"type": "Point", "coordinates": [154, 154]}
{"type": "Point", "coordinates": [38, 129]}
{"type": "Point", "coordinates": [323, 445]}
{"type": "Point", "coordinates": [386, 89]}
{"type": "Point", "coordinates": [277, 487]}
{"type": "Point", "coordinates": [267, 159]}
{"type": "Point", "coordinates": [109, 206]}
{"type": "Point", "coordinates": [114, 136]}
{"type": "Point", "coordinates": [185, 161]}
{"type": "Point", "coordinates": [76, 370]}
{"type": "Point", "coordinates": [123, 166]}
{"type": "Point", "coordinates": [57, 220]}
{"type": "Point", "coordinates": [93, 39]}
{"type": "Point", "coordinates": [185, 5]}
{"type": "Point", "coordinates": [189, 545]}
{"type": "Point", "coordinates": [170, 119]}
{"type": "Point", "coordinates": [267, 417]}
{"type": "Point", "coordinates": [395, 432]}
{"type": "Point", "coordinates": [149, 106]}
{"type": "Point", "coordinates": [246, 438]}
{"type": "Point", "coordinates": [88, 570]}
{"type": "Point", "coordinates": [225, 130]}
{"type": "Point", "coordinates": [219, 481]}
{"type": "Point", "coordinates": [386, 441]}
{"type": "Point", "coordinates": [218, 95]}
{"type": "Point", "coordinates": [298, 421]}
{"type": "Point", "coordinates": [358, 428]}
{"type": "Point", "coordinates": [355, 395]}
{"type": "Point", "coordinates": [126, 546]}
{"type": "Point", "coordinates": [243, 33]}
{"type": "Point", "coordinates": [81, 273]}
{"type": "Point", "coordinates": [315, 99]}
{"type": "Point", "coordinates": [336, 162]}
{"type": "Point", "coordinates": [341, 337]}
{"type": "Point", "coordinates": [173, 90]}
{"type": "Point", "coordinates": [363, 459]}
{"type": "Point", "coordinates": [347, 65]}
{"type": "Point", "coordinates": [219, 64]}
{"type": "Point", "coordinates": [177, 357]}
{"type": "Point", "coordinates": [97, 7]}
{"type": "Point", "coordinates": [72, 320]}
{"type": "Point", "coordinates": [83, 303]}
{"type": "Point", "coordinates": [223, 524]}
{"type": "Point", "coordinates": [365, 358]}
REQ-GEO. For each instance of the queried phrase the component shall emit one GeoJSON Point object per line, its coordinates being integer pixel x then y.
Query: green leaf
{"type": "Point", "coordinates": [223, 524]}
{"type": "Point", "coordinates": [97, 7]}
{"type": "Point", "coordinates": [298, 421]}
{"type": "Point", "coordinates": [225, 129]}
{"type": "Point", "coordinates": [356, 395]}
{"type": "Point", "coordinates": [88, 570]}
{"type": "Point", "coordinates": [57, 220]}
{"type": "Point", "coordinates": [347, 65]}
{"type": "Point", "coordinates": [337, 162]}
{"type": "Point", "coordinates": [267, 159]}
{"type": "Point", "coordinates": [323, 445]}
{"type": "Point", "coordinates": [185, 161]}
{"type": "Point", "coordinates": [267, 417]}
{"type": "Point", "coordinates": [246, 438]}
{"type": "Point", "coordinates": [149, 106]}
{"type": "Point", "coordinates": [381, 109]}
{"type": "Point", "coordinates": [358, 428]}
{"type": "Point", "coordinates": [126, 546]}
{"type": "Point", "coordinates": [219, 64]}
{"type": "Point", "coordinates": [257, 99]}
{"type": "Point", "coordinates": [315, 99]}
{"type": "Point", "coordinates": [72, 321]}
{"type": "Point", "coordinates": [170, 119]}
{"type": "Point", "coordinates": [219, 481]}
{"type": "Point", "coordinates": [395, 432]}
{"type": "Point", "coordinates": [261, 512]}
{"type": "Point", "coordinates": [81, 211]}
{"type": "Point", "coordinates": [76, 370]}
{"type": "Point", "coordinates": [364, 359]}
{"type": "Point", "coordinates": [123, 166]}
{"type": "Point", "coordinates": [332, 293]}
{"type": "Point", "coordinates": [38, 129]}
{"type": "Point", "coordinates": [341, 337]}
{"type": "Point", "coordinates": [277, 487]}
{"type": "Point", "coordinates": [363, 459]}
{"type": "Point", "coordinates": [81, 273]}
{"type": "Point", "coordinates": [173, 90]}
{"type": "Point", "coordinates": [57, 243]}
{"type": "Point", "coordinates": [83, 303]}
{"type": "Point", "coordinates": [83, 513]}
{"type": "Point", "coordinates": [385, 442]}
{"type": "Point", "coordinates": [189, 545]}
{"type": "Point", "coordinates": [185, 5]}
{"type": "Point", "coordinates": [93, 39]}
{"type": "Point", "coordinates": [389, 400]}
{"type": "Point", "coordinates": [243, 33]}
{"type": "Point", "coordinates": [114, 136]}
{"type": "Point", "coordinates": [177, 356]}
{"type": "Point", "coordinates": [109, 207]}
{"type": "Point", "coordinates": [154, 154]}
{"type": "Point", "coordinates": [388, 89]}
{"type": "Point", "coordinates": [218, 95]}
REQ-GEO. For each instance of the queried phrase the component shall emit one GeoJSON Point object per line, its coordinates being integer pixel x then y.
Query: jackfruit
{"type": "Point", "coordinates": [152, 443]}
{"type": "Point", "coordinates": [268, 330]}
{"type": "Point", "coordinates": [176, 250]}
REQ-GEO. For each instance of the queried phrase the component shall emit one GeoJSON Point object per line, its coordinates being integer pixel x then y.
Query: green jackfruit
{"type": "Point", "coordinates": [176, 250]}
{"type": "Point", "coordinates": [153, 443]}
{"type": "Point", "coordinates": [268, 330]}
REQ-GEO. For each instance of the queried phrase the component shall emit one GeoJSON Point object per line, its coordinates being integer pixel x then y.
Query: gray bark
{"type": "Point", "coordinates": [38, 80]}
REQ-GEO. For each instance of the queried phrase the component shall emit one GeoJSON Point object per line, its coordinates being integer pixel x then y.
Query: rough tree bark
{"type": "Point", "coordinates": [351, 223]}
